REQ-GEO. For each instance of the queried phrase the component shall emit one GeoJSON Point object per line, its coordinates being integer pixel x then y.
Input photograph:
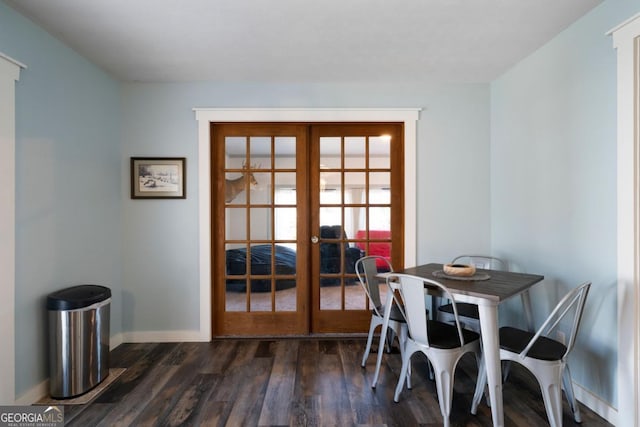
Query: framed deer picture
{"type": "Point", "coordinates": [158, 178]}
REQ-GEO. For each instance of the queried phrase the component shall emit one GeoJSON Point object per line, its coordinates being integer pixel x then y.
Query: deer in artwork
{"type": "Point", "coordinates": [233, 187]}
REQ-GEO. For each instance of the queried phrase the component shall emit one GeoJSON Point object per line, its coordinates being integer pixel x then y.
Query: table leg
{"type": "Point", "coordinates": [491, 351]}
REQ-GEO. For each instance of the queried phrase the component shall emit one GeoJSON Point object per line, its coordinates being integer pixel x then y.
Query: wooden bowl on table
{"type": "Point", "coordinates": [461, 270]}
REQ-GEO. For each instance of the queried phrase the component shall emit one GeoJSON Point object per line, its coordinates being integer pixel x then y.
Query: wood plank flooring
{"type": "Point", "coordinates": [291, 382]}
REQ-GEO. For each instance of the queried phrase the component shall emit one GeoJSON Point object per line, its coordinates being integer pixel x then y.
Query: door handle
{"type": "Point", "coordinates": [314, 239]}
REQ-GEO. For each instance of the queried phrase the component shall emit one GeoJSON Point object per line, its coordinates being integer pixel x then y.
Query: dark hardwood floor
{"type": "Point", "coordinates": [291, 382]}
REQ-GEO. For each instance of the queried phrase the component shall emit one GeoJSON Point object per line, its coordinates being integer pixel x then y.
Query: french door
{"type": "Point", "coordinates": [294, 206]}
{"type": "Point", "coordinates": [356, 200]}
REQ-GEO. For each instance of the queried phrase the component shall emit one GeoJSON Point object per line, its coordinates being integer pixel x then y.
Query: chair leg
{"type": "Point", "coordinates": [384, 332]}
{"type": "Point", "coordinates": [402, 340]}
{"type": "Point", "coordinates": [482, 367]}
{"type": "Point", "coordinates": [406, 361]}
{"type": "Point", "coordinates": [568, 389]}
{"type": "Point", "coordinates": [444, 370]}
{"type": "Point", "coordinates": [506, 367]}
{"type": "Point", "coordinates": [374, 383]}
{"type": "Point", "coordinates": [481, 384]}
{"type": "Point", "coordinates": [391, 334]}
{"type": "Point", "coordinates": [372, 328]}
{"type": "Point", "coordinates": [552, 396]}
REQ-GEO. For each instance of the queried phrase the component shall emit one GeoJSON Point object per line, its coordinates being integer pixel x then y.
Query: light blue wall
{"type": "Point", "coordinates": [68, 195]}
{"type": "Point", "coordinates": [553, 180]}
{"type": "Point", "coordinates": [161, 237]}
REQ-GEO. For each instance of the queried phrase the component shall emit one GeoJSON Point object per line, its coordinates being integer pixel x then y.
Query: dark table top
{"type": "Point", "coordinates": [500, 286]}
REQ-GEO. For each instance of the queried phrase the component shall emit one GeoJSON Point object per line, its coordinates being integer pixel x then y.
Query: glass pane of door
{"type": "Point", "coordinates": [263, 268]}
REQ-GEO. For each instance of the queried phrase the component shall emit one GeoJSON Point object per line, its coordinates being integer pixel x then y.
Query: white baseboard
{"type": "Point", "coordinates": [115, 341]}
{"type": "Point", "coordinates": [36, 393]}
{"type": "Point", "coordinates": [597, 405]}
{"type": "Point", "coordinates": [163, 336]}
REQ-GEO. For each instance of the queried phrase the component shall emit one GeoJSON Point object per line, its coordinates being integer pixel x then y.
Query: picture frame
{"type": "Point", "coordinates": [158, 178]}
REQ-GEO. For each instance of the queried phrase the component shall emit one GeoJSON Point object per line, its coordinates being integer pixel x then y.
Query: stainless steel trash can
{"type": "Point", "coordinates": [78, 339]}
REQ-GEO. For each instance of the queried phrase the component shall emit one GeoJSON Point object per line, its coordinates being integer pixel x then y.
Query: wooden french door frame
{"type": "Point", "coordinates": [205, 116]}
{"type": "Point", "coordinates": [310, 315]}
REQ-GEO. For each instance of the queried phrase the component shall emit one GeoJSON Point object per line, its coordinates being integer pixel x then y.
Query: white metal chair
{"type": "Point", "coordinates": [367, 270]}
{"type": "Point", "coordinates": [544, 356]}
{"type": "Point", "coordinates": [469, 312]}
{"type": "Point", "coordinates": [443, 344]}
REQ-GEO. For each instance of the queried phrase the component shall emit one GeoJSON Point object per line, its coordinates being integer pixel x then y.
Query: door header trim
{"type": "Point", "coordinates": [307, 114]}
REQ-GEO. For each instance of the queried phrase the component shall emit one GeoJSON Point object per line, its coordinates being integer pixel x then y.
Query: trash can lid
{"type": "Point", "coordinates": [77, 297]}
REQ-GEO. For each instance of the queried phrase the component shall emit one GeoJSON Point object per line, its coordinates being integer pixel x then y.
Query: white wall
{"type": "Point", "coordinates": [553, 181]}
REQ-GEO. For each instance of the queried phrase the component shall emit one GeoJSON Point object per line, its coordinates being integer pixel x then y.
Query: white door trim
{"type": "Point", "coordinates": [206, 116]}
{"type": "Point", "coordinates": [9, 75]}
{"type": "Point", "coordinates": [626, 39]}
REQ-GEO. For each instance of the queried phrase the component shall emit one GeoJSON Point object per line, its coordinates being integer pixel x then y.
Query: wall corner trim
{"type": "Point", "coordinates": [13, 61]}
{"type": "Point", "coordinates": [626, 40]}
{"type": "Point", "coordinates": [9, 75]}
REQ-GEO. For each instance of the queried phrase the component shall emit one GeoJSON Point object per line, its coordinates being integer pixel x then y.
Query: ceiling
{"type": "Point", "coordinates": [304, 40]}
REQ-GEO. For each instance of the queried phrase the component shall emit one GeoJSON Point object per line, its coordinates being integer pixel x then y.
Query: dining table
{"type": "Point", "coordinates": [487, 289]}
